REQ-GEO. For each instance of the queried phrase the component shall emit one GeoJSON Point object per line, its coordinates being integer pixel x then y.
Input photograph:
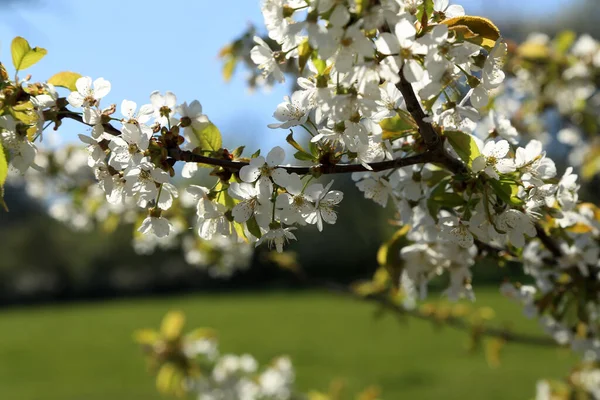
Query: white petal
{"type": "Point", "coordinates": [480, 97]}
{"type": "Point", "coordinates": [405, 30]}
{"type": "Point", "coordinates": [101, 88]}
{"type": "Point", "coordinates": [75, 99]}
{"type": "Point", "coordinates": [501, 149]}
{"type": "Point", "coordinates": [281, 177]}
{"type": "Point", "coordinates": [189, 170]}
{"type": "Point", "coordinates": [275, 156]}
{"type": "Point", "coordinates": [242, 212]}
{"type": "Point", "coordinates": [478, 164]}
{"type": "Point", "coordinates": [170, 100]}
{"type": "Point", "coordinates": [387, 43]}
{"type": "Point", "coordinates": [84, 85]}
{"type": "Point", "coordinates": [249, 173]}
{"type": "Point", "coordinates": [413, 71]}
{"type": "Point", "coordinates": [128, 108]}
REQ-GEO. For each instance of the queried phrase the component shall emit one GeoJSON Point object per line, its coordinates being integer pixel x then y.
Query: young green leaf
{"type": "Point", "coordinates": [464, 145]}
{"type": "Point", "coordinates": [23, 55]}
{"type": "Point", "coordinates": [65, 79]}
{"type": "Point", "coordinates": [209, 137]}
{"type": "Point", "coordinates": [507, 191]}
{"type": "Point", "coordinates": [486, 32]}
{"type": "Point", "coordinates": [396, 127]}
{"type": "Point", "coordinates": [3, 166]}
{"type": "Point", "coordinates": [253, 227]}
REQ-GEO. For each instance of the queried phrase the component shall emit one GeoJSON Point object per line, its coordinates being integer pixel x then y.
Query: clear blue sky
{"type": "Point", "coordinates": [141, 46]}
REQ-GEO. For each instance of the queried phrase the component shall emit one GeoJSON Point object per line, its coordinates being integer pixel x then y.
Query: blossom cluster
{"type": "Point", "coordinates": [192, 364]}
{"type": "Point", "coordinates": [404, 94]}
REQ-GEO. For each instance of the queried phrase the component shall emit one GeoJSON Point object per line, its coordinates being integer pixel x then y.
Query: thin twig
{"type": "Point", "coordinates": [451, 321]}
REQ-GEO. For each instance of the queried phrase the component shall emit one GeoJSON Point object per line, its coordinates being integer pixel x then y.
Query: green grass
{"type": "Point", "coordinates": [85, 351]}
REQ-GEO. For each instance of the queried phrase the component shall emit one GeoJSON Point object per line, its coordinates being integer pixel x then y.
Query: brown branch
{"type": "Point", "coordinates": [427, 131]}
{"type": "Point", "coordinates": [441, 156]}
{"type": "Point", "coordinates": [187, 156]}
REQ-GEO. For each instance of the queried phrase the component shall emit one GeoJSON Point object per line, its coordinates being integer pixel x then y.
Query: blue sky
{"type": "Point", "coordinates": [141, 46]}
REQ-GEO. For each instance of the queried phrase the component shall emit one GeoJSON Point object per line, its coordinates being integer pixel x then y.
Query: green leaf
{"type": "Point", "coordinates": [507, 191]}
{"type": "Point", "coordinates": [486, 32]}
{"type": "Point", "coordinates": [239, 229]}
{"type": "Point", "coordinates": [223, 196]}
{"type": "Point", "coordinates": [396, 127]}
{"type": "Point", "coordinates": [237, 152]}
{"type": "Point", "coordinates": [209, 137]}
{"type": "Point", "coordinates": [320, 65]}
{"type": "Point", "coordinates": [591, 163]}
{"type": "Point", "coordinates": [464, 145]}
{"type": "Point", "coordinates": [172, 325]}
{"type": "Point", "coordinates": [3, 166]}
{"type": "Point", "coordinates": [438, 193]}
{"type": "Point", "coordinates": [304, 53]}
{"type": "Point", "coordinates": [563, 41]}
{"type": "Point", "coordinates": [300, 155]}
{"type": "Point", "coordinates": [65, 79]}
{"type": "Point", "coordinates": [24, 112]}
{"type": "Point", "coordinates": [253, 227]}
{"type": "Point", "coordinates": [425, 11]}
{"type": "Point", "coordinates": [446, 199]}
{"type": "Point", "coordinates": [229, 68]}
{"type": "Point", "coordinates": [314, 149]}
{"type": "Point", "coordinates": [23, 55]}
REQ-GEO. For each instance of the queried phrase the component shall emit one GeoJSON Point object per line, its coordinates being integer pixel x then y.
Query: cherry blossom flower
{"type": "Point", "coordinates": [159, 226]}
{"type": "Point", "coordinates": [448, 11]}
{"type": "Point", "coordinates": [516, 225]}
{"type": "Point", "coordinates": [492, 160]}
{"type": "Point", "coordinates": [491, 75]}
{"type": "Point", "coordinates": [532, 162]}
{"type": "Point", "coordinates": [277, 237]}
{"type": "Point", "coordinates": [295, 206]}
{"type": "Point", "coordinates": [261, 170]}
{"type": "Point", "coordinates": [211, 215]}
{"type": "Point", "coordinates": [374, 185]}
{"type": "Point", "coordinates": [292, 112]}
{"type": "Point", "coordinates": [164, 106]}
{"type": "Point", "coordinates": [88, 94]}
{"type": "Point", "coordinates": [325, 202]}
{"type": "Point", "coordinates": [263, 56]}
{"type": "Point", "coordinates": [400, 48]}
{"type": "Point", "coordinates": [252, 202]}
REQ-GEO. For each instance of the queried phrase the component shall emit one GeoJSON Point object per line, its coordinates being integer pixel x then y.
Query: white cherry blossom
{"type": "Point", "coordinates": [89, 94]}
{"type": "Point", "coordinates": [493, 161]}
{"type": "Point", "coordinates": [264, 170]}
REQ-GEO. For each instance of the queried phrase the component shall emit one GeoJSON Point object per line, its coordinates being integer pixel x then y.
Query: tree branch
{"type": "Point", "coordinates": [435, 154]}
{"type": "Point", "coordinates": [454, 322]}
{"type": "Point", "coordinates": [436, 146]}
{"type": "Point", "coordinates": [427, 131]}
{"type": "Point", "coordinates": [187, 156]}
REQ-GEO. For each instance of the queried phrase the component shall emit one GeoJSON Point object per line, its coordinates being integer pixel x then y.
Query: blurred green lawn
{"type": "Point", "coordinates": [85, 351]}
